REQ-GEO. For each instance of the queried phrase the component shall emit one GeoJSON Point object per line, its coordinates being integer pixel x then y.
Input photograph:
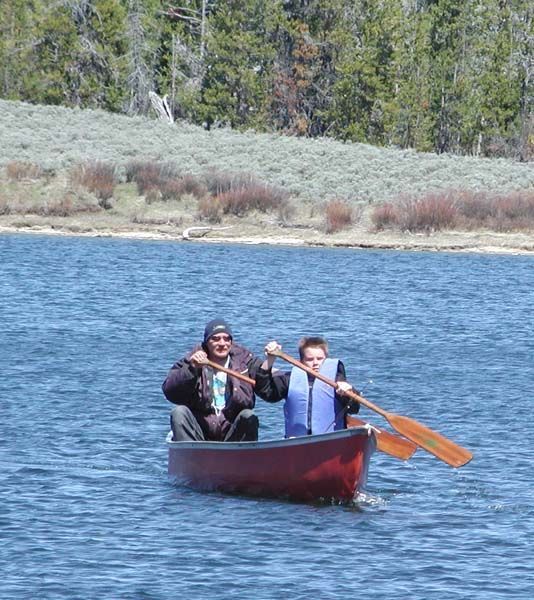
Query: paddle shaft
{"type": "Point", "coordinates": [330, 382]}
{"type": "Point", "coordinates": [431, 441]}
{"type": "Point", "coordinates": [231, 372]}
{"type": "Point", "coordinates": [389, 443]}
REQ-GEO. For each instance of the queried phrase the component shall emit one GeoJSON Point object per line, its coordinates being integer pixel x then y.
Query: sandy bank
{"type": "Point", "coordinates": [472, 242]}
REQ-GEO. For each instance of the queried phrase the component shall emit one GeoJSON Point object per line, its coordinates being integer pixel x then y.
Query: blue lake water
{"type": "Point", "coordinates": [88, 330]}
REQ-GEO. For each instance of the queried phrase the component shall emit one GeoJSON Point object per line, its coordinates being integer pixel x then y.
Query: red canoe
{"type": "Point", "coordinates": [331, 465]}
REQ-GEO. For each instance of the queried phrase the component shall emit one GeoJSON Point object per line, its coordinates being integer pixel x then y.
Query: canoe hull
{"type": "Point", "coordinates": [332, 465]}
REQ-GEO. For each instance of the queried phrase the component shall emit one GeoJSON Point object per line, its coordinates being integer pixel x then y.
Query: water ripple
{"type": "Point", "coordinates": [90, 328]}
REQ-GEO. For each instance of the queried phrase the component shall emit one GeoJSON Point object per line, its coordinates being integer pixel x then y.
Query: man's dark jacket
{"type": "Point", "coordinates": [192, 387]}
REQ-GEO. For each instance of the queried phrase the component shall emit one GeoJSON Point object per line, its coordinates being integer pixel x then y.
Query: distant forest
{"type": "Point", "coordinates": [438, 76]}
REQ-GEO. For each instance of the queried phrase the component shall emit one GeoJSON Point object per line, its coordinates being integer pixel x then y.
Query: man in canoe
{"type": "Point", "coordinates": [212, 405]}
{"type": "Point", "coordinates": [311, 406]}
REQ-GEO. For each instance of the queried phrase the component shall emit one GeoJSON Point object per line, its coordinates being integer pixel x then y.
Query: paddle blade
{"type": "Point", "coordinates": [430, 440]}
{"type": "Point", "coordinates": [391, 444]}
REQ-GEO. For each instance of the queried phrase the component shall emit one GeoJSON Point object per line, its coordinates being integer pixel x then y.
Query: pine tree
{"type": "Point", "coordinates": [364, 100]}
{"type": "Point", "coordinates": [237, 66]}
{"type": "Point", "coordinates": [18, 36]}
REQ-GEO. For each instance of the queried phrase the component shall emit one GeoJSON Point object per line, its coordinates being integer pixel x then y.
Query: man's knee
{"type": "Point", "coordinates": [182, 423]}
{"type": "Point", "coordinates": [179, 414]}
{"type": "Point", "coordinates": [248, 415]}
{"type": "Point", "coordinates": [248, 425]}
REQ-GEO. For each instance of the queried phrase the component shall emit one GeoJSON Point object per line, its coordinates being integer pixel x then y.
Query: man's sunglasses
{"type": "Point", "coordinates": [220, 338]}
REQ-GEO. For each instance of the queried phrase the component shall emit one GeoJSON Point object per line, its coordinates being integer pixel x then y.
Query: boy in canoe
{"type": "Point", "coordinates": [311, 406]}
{"type": "Point", "coordinates": [212, 405]}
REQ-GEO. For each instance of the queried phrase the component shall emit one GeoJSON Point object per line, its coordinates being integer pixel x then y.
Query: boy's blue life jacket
{"type": "Point", "coordinates": [316, 410]}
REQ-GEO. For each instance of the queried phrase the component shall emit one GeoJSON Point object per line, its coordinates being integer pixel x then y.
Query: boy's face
{"type": "Point", "coordinates": [313, 357]}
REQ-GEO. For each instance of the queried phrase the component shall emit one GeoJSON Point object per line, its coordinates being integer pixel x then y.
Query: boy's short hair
{"type": "Point", "coordinates": [313, 341]}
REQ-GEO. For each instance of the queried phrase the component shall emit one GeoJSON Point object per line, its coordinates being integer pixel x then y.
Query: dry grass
{"type": "Point", "coordinates": [59, 204]}
{"type": "Point", "coordinates": [458, 210]}
{"type": "Point", "coordinates": [339, 215]}
{"type": "Point", "coordinates": [185, 200]}
{"type": "Point", "coordinates": [162, 181]}
{"type": "Point", "coordinates": [254, 196]}
{"type": "Point", "coordinates": [210, 209]}
{"type": "Point", "coordinates": [98, 177]}
{"type": "Point", "coordinates": [503, 212]}
{"type": "Point", "coordinates": [17, 170]}
{"type": "Point", "coordinates": [311, 170]}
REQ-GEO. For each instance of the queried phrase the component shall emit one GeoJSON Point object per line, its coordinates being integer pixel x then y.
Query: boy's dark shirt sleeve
{"type": "Point", "coordinates": [353, 407]}
{"type": "Point", "coordinates": [272, 386]}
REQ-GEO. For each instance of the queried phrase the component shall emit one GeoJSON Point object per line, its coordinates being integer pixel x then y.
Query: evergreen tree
{"type": "Point", "coordinates": [180, 60]}
{"type": "Point", "coordinates": [435, 75]}
{"type": "Point", "coordinates": [414, 121]}
{"type": "Point", "coordinates": [364, 100]}
{"type": "Point", "coordinates": [505, 52]}
{"type": "Point", "coordinates": [79, 54]}
{"type": "Point", "coordinates": [308, 44]}
{"type": "Point", "coordinates": [18, 35]}
{"type": "Point", "coordinates": [237, 64]}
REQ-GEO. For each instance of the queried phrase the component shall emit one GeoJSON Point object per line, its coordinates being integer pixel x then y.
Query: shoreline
{"type": "Point", "coordinates": [457, 242]}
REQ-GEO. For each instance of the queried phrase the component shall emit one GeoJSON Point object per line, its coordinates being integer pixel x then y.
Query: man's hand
{"type": "Point", "coordinates": [198, 359]}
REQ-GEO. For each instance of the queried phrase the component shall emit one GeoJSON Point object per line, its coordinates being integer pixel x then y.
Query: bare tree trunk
{"type": "Point", "coordinates": [139, 78]}
{"type": "Point", "coordinates": [526, 146]}
{"type": "Point", "coordinates": [203, 32]}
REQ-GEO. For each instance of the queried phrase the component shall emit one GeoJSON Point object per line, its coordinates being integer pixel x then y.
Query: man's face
{"type": "Point", "coordinates": [313, 357]}
{"type": "Point", "coordinates": [218, 346]}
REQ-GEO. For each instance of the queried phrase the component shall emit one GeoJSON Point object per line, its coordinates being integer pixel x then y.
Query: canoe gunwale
{"type": "Point", "coordinates": [305, 440]}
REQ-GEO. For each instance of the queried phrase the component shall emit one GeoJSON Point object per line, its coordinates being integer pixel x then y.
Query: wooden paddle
{"type": "Point", "coordinates": [425, 438]}
{"type": "Point", "coordinates": [389, 443]}
{"type": "Point", "coordinates": [215, 366]}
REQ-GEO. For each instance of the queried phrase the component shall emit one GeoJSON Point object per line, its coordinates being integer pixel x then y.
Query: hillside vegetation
{"type": "Point", "coordinates": [312, 169]}
{"type": "Point", "coordinates": [435, 76]}
{"type": "Point", "coordinates": [88, 170]}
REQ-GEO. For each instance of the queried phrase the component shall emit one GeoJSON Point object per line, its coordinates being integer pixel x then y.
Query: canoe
{"type": "Point", "coordinates": [327, 466]}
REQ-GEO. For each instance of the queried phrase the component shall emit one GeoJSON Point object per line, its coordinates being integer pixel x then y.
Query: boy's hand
{"type": "Point", "coordinates": [272, 347]}
{"type": "Point", "coordinates": [343, 387]}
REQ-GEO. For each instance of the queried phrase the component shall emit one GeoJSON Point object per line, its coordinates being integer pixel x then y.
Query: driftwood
{"type": "Point", "coordinates": [205, 230]}
{"type": "Point", "coordinates": [161, 106]}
